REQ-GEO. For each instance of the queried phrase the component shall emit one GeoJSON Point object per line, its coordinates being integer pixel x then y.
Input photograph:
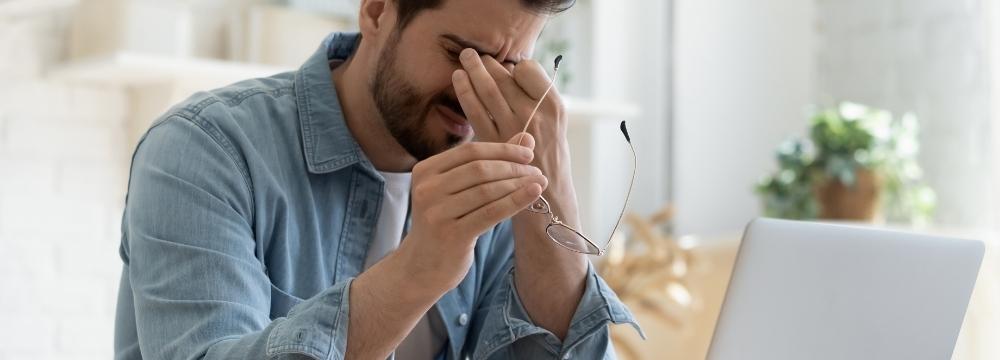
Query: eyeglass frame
{"type": "Point", "coordinates": [541, 206]}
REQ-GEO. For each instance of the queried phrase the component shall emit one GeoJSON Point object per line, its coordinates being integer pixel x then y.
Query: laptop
{"type": "Point", "coordinates": [815, 291]}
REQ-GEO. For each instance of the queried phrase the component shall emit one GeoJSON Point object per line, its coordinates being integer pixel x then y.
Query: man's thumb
{"type": "Point", "coordinates": [523, 139]}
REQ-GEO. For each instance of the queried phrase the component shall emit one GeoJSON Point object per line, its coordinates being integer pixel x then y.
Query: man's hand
{"type": "Point", "coordinates": [457, 196]}
{"type": "Point", "coordinates": [498, 101]}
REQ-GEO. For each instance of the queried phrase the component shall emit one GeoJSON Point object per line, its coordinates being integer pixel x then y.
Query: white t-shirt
{"type": "Point", "coordinates": [428, 337]}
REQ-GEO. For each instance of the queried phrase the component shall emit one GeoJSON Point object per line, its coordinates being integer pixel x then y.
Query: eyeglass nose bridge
{"type": "Point", "coordinates": [540, 206]}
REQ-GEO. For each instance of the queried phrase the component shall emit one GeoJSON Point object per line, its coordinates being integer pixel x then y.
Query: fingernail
{"type": "Point", "coordinates": [534, 179]}
{"type": "Point", "coordinates": [529, 141]}
{"type": "Point", "coordinates": [468, 54]}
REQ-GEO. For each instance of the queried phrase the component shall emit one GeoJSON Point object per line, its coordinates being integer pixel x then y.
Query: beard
{"type": "Point", "coordinates": [404, 110]}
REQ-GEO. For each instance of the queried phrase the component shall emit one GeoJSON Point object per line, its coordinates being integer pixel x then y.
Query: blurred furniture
{"type": "Point", "coordinates": [981, 329]}
{"type": "Point", "coordinates": [674, 286]}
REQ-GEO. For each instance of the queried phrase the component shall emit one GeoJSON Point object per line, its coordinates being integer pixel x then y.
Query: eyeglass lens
{"type": "Point", "coordinates": [571, 239]}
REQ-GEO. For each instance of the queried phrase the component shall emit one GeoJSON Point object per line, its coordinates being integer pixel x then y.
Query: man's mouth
{"type": "Point", "coordinates": [454, 121]}
{"type": "Point", "coordinates": [454, 106]}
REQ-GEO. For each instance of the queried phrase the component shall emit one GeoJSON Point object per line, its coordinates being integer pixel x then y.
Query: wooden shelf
{"type": "Point", "coordinates": [129, 69]}
{"type": "Point", "coordinates": [343, 9]}
{"type": "Point", "coordinates": [126, 69]}
{"type": "Point", "coordinates": [14, 8]}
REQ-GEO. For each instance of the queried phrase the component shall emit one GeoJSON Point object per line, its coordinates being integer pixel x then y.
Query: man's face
{"type": "Point", "coordinates": [412, 86]}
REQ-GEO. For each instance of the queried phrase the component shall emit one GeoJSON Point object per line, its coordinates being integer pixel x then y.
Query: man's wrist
{"type": "Point", "coordinates": [560, 192]}
{"type": "Point", "coordinates": [561, 196]}
{"type": "Point", "coordinates": [409, 286]}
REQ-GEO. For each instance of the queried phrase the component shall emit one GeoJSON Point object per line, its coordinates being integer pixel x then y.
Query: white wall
{"type": "Point", "coordinates": [619, 59]}
{"type": "Point", "coordinates": [63, 161]}
{"type": "Point", "coordinates": [645, 70]}
{"type": "Point", "coordinates": [743, 76]}
{"type": "Point", "coordinates": [929, 57]}
{"type": "Point", "coordinates": [993, 18]}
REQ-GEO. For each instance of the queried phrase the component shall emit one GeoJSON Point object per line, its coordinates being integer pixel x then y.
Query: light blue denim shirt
{"type": "Point", "coordinates": [250, 210]}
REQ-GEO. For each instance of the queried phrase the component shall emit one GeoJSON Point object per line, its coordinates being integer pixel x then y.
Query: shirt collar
{"type": "Point", "coordinates": [327, 143]}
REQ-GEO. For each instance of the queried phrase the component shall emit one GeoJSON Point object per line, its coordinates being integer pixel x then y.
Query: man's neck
{"type": "Point", "coordinates": [352, 83]}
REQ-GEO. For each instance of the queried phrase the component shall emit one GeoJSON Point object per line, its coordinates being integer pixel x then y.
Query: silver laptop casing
{"type": "Point", "coordinates": [819, 291]}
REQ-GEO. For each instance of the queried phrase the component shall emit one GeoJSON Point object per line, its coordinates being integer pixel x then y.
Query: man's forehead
{"type": "Point", "coordinates": [490, 27]}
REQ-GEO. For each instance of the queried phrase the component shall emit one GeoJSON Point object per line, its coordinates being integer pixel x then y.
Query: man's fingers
{"type": "Point", "coordinates": [523, 139]}
{"type": "Point", "coordinates": [503, 78]}
{"type": "Point", "coordinates": [509, 67]}
{"type": "Point", "coordinates": [517, 98]}
{"type": "Point", "coordinates": [496, 69]}
{"type": "Point", "coordinates": [531, 77]}
{"type": "Point", "coordinates": [485, 86]}
{"type": "Point", "coordinates": [474, 109]}
{"type": "Point", "coordinates": [465, 153]}
{"type": "Point", "coordinates": [479, 172]}
{"type": "Point", "coordinates": [475, 197]}
{"type": "Point", "coordinates": [477, 221]}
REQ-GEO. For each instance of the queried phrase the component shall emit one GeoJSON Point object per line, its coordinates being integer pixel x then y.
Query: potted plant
{"type": "Point", "coordinates": [859, 164]}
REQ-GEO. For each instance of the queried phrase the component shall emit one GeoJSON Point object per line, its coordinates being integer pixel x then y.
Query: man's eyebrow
{"type": "Point", "coordinates": [458, 40]}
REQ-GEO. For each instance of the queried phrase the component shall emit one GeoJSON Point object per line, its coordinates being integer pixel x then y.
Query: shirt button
{"type": "Point", "coordinates": [566, 356]}
{"type": "Point", "coordinates": [463, 319]}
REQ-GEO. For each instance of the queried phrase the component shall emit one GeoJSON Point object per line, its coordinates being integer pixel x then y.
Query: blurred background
{"type": "Point", "coordinates": [874, 111]}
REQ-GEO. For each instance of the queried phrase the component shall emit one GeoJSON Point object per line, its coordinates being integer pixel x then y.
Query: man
{"type": "Point", "coordinates": [342, 211]}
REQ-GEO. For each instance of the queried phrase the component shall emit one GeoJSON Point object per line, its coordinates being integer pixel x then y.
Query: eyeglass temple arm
{"type": "Point", "coordinates": [555, 74]}
{"type": "Point", "coordinates": [631, 182]}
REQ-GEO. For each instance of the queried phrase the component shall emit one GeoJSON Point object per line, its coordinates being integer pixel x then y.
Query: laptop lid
{"type": "Point", "coordinates": [820, 291]}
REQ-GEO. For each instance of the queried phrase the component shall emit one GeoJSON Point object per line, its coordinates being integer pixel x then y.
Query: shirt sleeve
{"type": "Point", "coordinates": [507, 332]}
{"type": "Point", "coordinates": [199, 290]}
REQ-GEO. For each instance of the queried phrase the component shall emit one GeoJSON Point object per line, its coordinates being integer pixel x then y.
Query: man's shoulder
{"type": "Point", "coordinates": [276, 91]}
{"type": "Point", "coordinates": [250, 116]}
{"type": "Point", "coordinates": [243, 110]}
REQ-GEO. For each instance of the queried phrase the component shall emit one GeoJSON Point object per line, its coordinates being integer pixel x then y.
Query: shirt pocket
{"type": "Point", "coordinates": [282, 302]}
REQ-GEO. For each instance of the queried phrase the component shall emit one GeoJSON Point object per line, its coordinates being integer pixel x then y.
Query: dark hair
{"type": "Point", "coordinates": [408, 9]}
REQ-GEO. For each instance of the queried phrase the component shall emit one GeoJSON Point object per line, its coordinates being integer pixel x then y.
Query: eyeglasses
{"type": "Point", "coordinates": [562, 234]}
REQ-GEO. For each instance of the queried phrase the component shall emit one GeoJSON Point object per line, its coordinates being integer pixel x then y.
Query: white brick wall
{"type": "Point", "coordinates": [63, 164]}
{"type": "Point", "coordinates": [925, 56]}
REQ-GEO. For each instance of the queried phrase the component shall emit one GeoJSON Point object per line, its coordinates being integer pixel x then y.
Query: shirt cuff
{"type": "Point", "coordinates": [599, 306]}
{"type": "Point", "coordinates": [316, 328]}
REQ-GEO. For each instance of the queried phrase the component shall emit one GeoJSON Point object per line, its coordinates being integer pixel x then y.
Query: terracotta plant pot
{"type": "Point", "coordinates": [841, 202]}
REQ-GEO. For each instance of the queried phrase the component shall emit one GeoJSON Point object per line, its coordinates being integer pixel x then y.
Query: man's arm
{"type": "Point", "coordinates": [553, 292]}
{"type": "Point", "coordinates": [200, 291]}
{"type": "Point", "coordinates": [549, 279]}
{"type": "Point", "coordinates": [457, 195]}
{"type": "Point", "coordinates": [385, 306]}
{"type": "Point", "coordinates": [502, 328]}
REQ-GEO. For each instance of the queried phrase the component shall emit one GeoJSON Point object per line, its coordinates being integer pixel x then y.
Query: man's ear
{"type": "Point", "coordinates": [375, 18]}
